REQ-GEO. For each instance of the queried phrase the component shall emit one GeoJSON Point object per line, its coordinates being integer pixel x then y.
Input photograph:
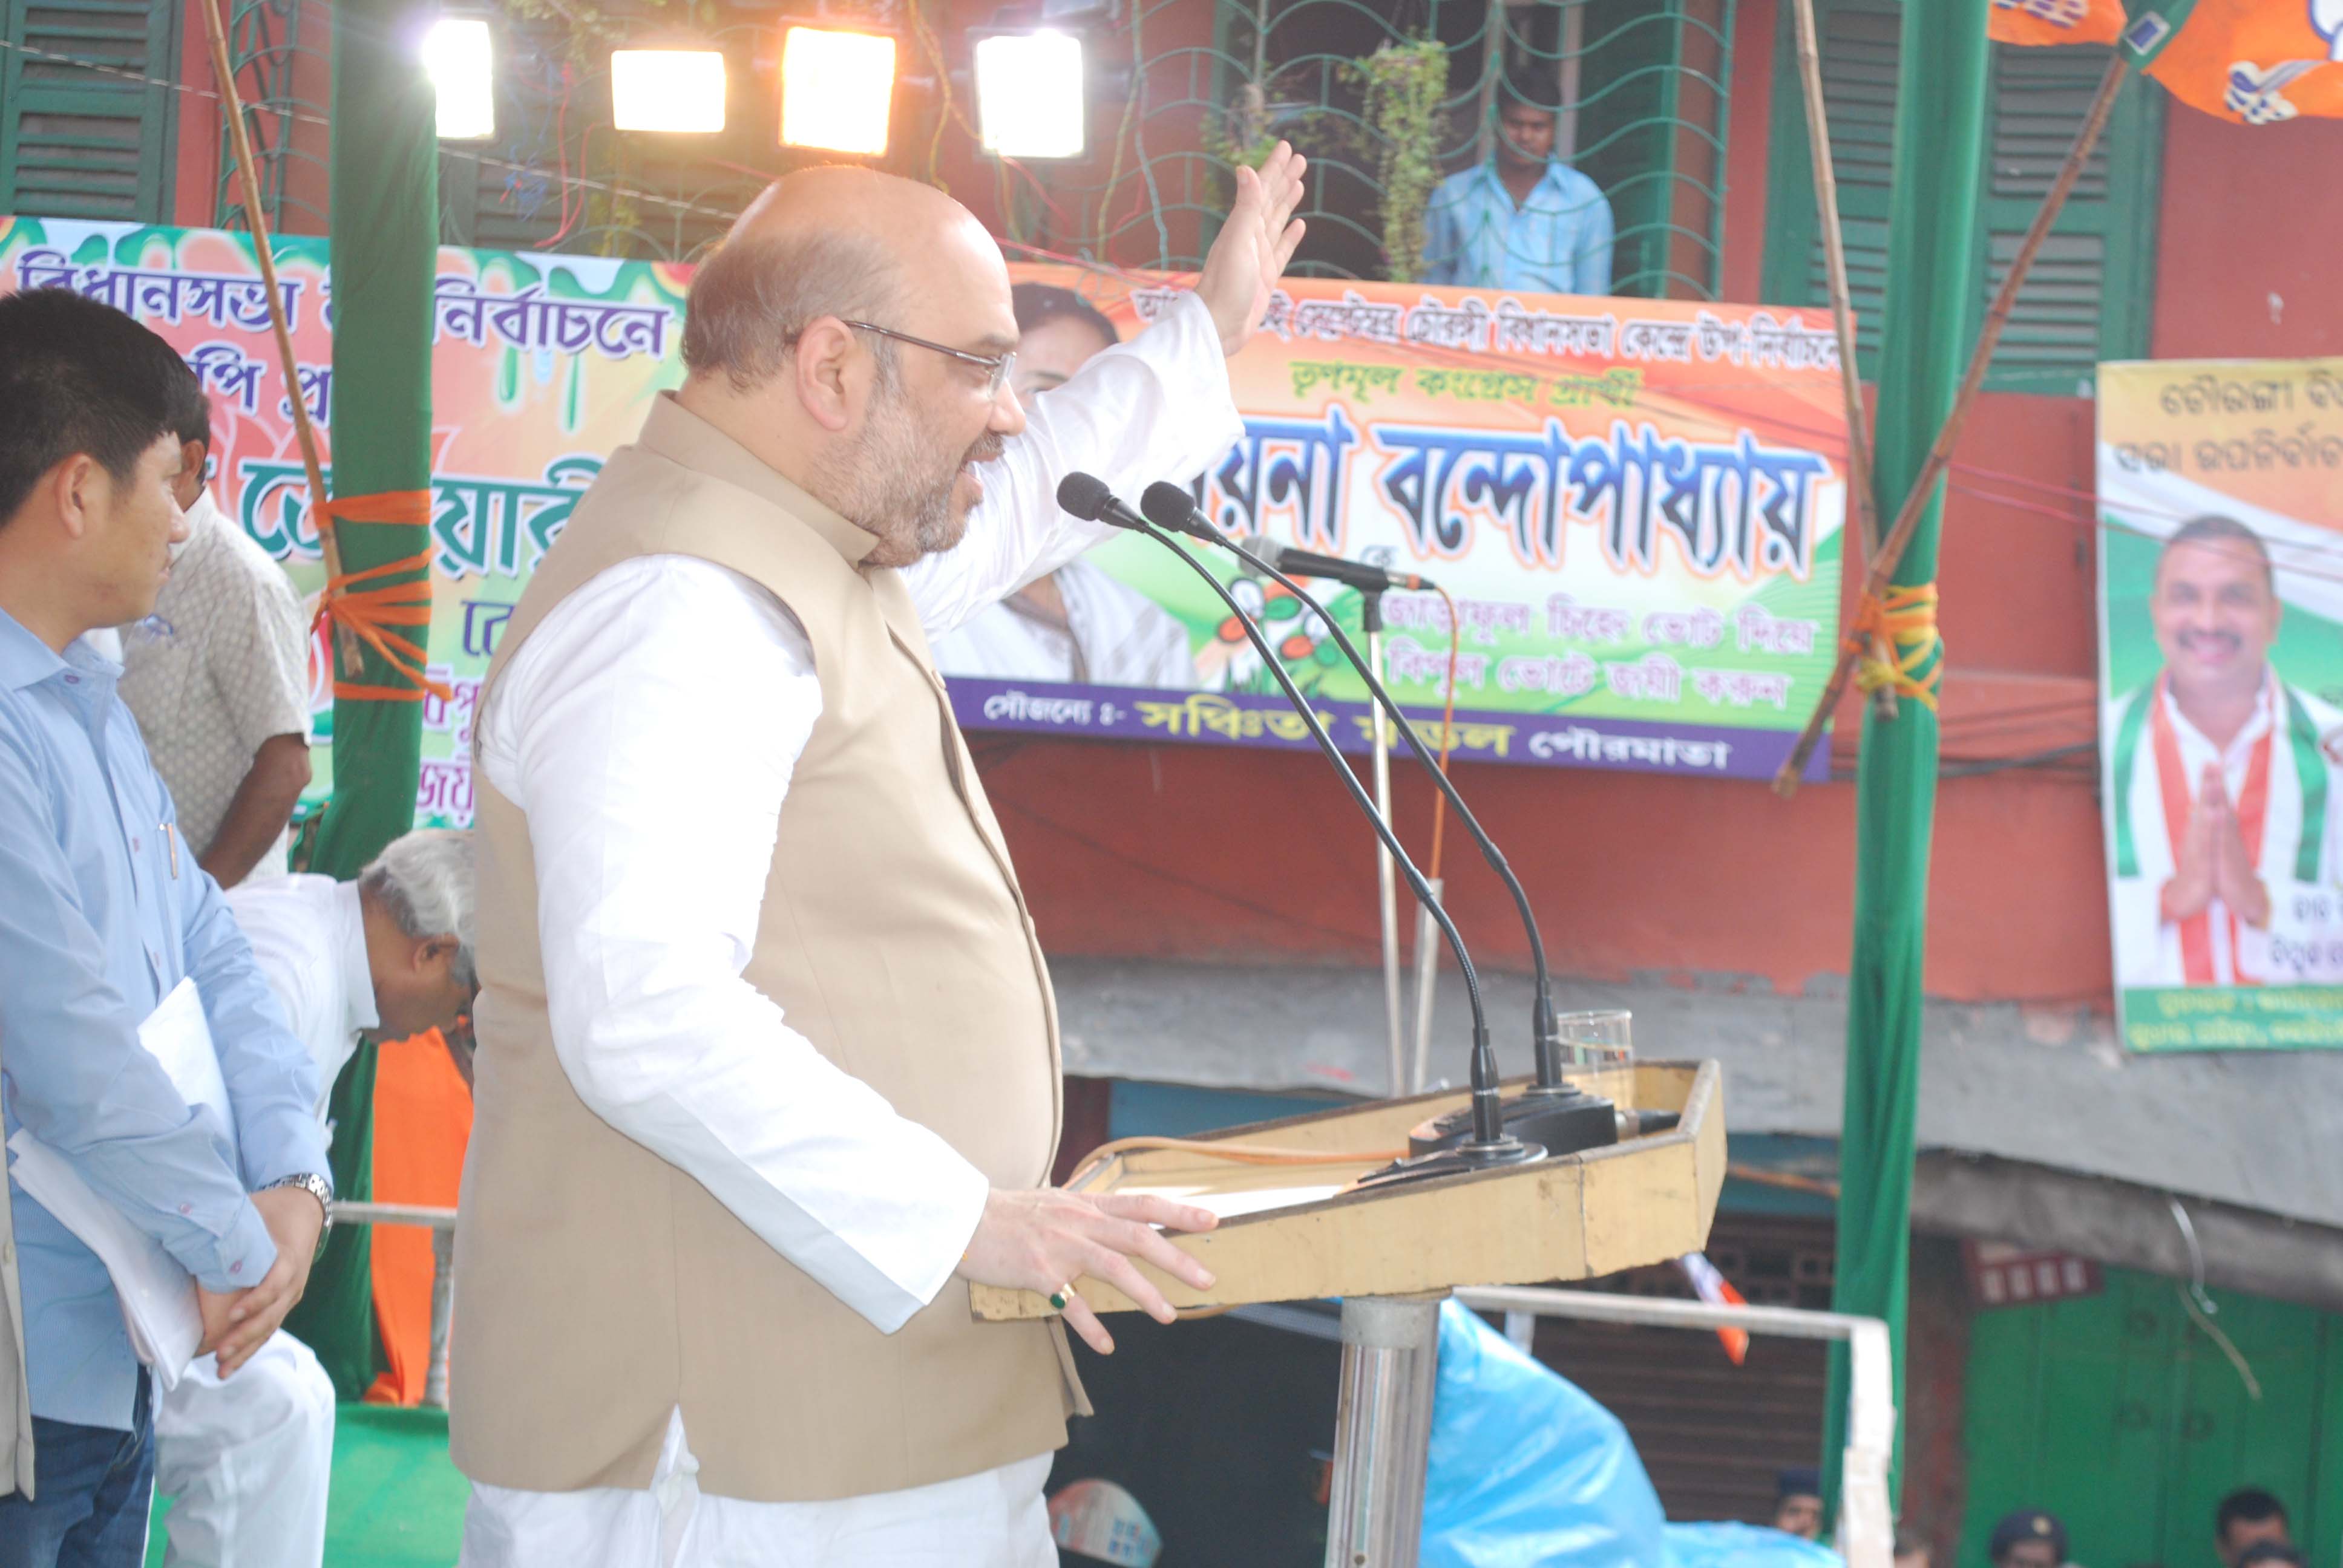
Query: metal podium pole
{"type": "Point", "coordinates": [1383, 1428]}
{"type": "Point", "coordinates": [1371, 620]}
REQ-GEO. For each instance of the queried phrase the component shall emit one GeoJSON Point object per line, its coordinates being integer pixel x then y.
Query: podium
{"type": "Point", "coordinates": [1298, 1232]}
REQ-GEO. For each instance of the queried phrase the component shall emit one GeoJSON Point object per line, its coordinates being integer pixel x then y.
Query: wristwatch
{"type": "Point", "coordinates": [320, 1189]}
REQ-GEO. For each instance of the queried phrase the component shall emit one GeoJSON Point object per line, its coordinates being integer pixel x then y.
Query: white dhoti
{"type": "Point", "coordinates": [993, 1520]}
{"type": "Point", "coordinates": [245, 1459]}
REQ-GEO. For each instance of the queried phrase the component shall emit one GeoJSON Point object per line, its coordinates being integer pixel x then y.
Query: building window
{"type": "Point", "coordinates": [81, 143]}
{"type": "Point", "coordinates": [2089, 295]}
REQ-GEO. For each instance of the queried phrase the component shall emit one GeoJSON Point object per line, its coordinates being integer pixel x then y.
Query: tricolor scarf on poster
{"type": "Point", "coordinates": [2259, 445]}
{"type": "Point", "coordinates": [1636, 502]}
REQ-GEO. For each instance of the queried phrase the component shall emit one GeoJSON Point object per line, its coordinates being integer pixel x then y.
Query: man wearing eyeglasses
{"type": "Point", "coordinates": [767, 1070]}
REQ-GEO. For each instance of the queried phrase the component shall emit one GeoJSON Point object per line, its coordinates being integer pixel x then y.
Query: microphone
{"type": "Point", "coordinates": [1489, 1143]}
{"type": "Point", "coordinates": [1551, 1111]}
{"type": "Point", "coordinates": [1359, 575]}
{"type": "Point", "coordinates": [1087, 498]}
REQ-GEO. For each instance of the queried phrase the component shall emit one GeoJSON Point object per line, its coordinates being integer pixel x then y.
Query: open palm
{"type": "Point", "coordinates": [1254, 245]}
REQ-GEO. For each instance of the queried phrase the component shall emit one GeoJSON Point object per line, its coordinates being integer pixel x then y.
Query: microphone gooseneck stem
{"type": "Point", "coordinates": [1488, 1124]}
{"type": "Point", "coordinates": [1543, 1030]}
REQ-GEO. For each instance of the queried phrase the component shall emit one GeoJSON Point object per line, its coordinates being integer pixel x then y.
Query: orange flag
{"type": "Point", "coordinates": [2255, 62]}
{"type": "Point", "coordinates": [2056, 21]}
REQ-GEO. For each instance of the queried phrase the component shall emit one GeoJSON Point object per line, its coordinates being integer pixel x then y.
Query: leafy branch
{"type": "Point", "coordinates": [1405, 86]}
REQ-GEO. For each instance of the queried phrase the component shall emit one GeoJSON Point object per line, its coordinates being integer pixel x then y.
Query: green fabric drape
{"type": "Point", "coordinates": [1930, 320]}
{"type": "Point", "coordinates": [385, 231]}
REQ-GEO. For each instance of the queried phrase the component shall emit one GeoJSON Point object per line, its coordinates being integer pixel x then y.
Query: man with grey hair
{"type": "Point", "coordinates": [246, 1459]}
{"type": "Point", "coordinates": [768, 1064]}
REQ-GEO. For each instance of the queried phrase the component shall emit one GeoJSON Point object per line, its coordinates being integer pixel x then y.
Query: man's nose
{"type": "Point", "coordinates": [1007, 416]}
{"type": "Point", "coordinates": [180, 528]}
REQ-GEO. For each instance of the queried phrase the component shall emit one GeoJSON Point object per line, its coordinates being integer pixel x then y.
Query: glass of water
{"type": "Point", "coordinates": [1596, 1039]}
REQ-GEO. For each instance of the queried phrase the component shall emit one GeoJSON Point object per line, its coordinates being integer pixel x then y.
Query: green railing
{"type": "Point", "coordinates": [273, 69]}
{"type": "Point", "coordinates": [1639, 89]}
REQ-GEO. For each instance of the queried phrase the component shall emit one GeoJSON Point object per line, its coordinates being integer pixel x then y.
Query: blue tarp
{"type": "Point", "coordinates": [1527, 1472]}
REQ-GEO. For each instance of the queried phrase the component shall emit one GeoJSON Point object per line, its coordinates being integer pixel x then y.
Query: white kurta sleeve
{"type": "Point", "coordinates": [1156, 408]}
{"type": "Point", "coordinates": [654, 798]}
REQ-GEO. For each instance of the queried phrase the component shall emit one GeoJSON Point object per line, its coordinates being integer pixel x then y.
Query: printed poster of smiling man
{"type": "Point", "coordinates": [2221, 687]}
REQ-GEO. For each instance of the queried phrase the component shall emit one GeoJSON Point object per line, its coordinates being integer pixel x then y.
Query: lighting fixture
{"type": "Point", "coordinates": [461, 62]}
{"type": "Point", "coordinates": [1030, 102]}
{"type": "Point", "coordinates": [675, 90]}
{"type": "Point", "coordinates": [838, 89]}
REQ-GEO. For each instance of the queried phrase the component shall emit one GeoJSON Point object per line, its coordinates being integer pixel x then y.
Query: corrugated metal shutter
{"type": "Point", "coordinates": [79, 143]}
{"type": "Point", "coordinates": [1712, 1436]}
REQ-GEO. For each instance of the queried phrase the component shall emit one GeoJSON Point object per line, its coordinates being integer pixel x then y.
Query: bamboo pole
{"type": "Point", "coordinates": [1940, 455]}
{"type": "Point", "coordinates": [249, 187]}
{"type": "Point", "coordinates": [1858, 450]}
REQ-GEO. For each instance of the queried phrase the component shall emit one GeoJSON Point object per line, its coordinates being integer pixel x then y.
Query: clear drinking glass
{"type": "Point", "coordinates": [1598, 1039]}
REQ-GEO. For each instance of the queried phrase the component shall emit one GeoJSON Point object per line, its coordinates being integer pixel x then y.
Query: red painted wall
{"type": "Point", "coordinates": [2253, 225]}
{"type": "Point", "coordinates": [1239, 857]}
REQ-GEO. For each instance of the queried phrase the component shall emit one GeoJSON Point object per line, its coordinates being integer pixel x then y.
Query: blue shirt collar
{"type": "Point", "coordinates": [25, 660]}
{"type": "Point", "coordinates": [1549, 176]}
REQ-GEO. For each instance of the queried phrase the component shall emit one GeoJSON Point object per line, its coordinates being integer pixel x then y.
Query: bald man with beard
{"type": "Point", "coordinates": [768, 1071]}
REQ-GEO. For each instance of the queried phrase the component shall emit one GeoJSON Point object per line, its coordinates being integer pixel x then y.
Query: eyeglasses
{"type": "Point", "coordinates": [996, 366]}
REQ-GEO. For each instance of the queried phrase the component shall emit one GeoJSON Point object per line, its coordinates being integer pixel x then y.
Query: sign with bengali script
{"type": "Point", "coordinates": [1637, 505]}
{"type": "Point", "coordinates": [541, 364]}
{"type": "Point", "coordinates": [2221, 687]}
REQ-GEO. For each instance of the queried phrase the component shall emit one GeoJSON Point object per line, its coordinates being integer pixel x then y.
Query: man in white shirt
{"type": "Point", "coordinates": [246, 1459]}
{"type": "Point", "coordinates": [2227, 819]}
{"type": "Point", "coordinates": [218, 679]}
{"type": "Point", "coordinates": [645, 746]}
{"type": "Point", "coordinates": [1078, 623]}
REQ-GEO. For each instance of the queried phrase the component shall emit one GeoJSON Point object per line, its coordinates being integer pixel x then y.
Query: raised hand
{"type": "Point", "coordinates": [1044, 1240]}
{"type": "Point", "coordinates": [1254, 245]}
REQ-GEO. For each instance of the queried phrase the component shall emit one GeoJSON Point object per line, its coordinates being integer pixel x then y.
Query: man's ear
{"type": "Point", "coordinates": [78, 485]}
{"type": "Point", "coordinates": [824, 369]}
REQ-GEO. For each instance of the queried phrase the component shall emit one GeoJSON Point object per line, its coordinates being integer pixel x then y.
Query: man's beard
{"type": "Point", "coordinates": [889, 485]}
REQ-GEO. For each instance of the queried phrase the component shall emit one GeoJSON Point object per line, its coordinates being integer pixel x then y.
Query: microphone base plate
{"type": "Point", "coordinates": [1458, 1159]}
{"type": "Point", "coordinates": [1563, 1121]}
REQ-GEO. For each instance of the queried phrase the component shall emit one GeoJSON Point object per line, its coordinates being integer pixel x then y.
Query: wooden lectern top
{"type": "Point", "coordinates": [1296, 1233]}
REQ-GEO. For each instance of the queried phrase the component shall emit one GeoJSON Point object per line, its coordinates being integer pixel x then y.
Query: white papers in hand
{"type": "Point", "coordinates": [157, 1293]}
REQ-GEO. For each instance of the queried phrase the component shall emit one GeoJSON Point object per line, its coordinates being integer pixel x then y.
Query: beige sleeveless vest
{"type": "Point", "coordinates": [599, 1287]}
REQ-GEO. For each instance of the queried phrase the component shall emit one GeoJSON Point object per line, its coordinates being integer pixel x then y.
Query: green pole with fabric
{"type": "Point", "coordinates": [1930, 318]}
{"type": "Point", "coordinates": [385, 235]}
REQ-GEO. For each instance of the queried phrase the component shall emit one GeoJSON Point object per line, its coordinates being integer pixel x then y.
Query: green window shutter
{"type": "Point", "coordinates": [2087, 296]}
{"type": "Point", "coordinates": [1859, 42]}
{"type": "Point", "coordinates": [77, 142]}
{"type": "Point", "coordinates": [2090, 293]}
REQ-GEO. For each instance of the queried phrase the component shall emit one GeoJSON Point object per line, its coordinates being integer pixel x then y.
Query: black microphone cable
{"type": "Point", "coordinates": [1089, 499]}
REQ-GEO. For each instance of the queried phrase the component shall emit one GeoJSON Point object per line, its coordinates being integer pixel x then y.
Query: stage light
{"type": "Point", "coordinates": [1029, 95]}
{"type": "Point", "coordinates": [461, 62]}
{"type": "Point", "coordinates": [837, 89]}
{"type": "Point", "coordinates": [678, 90]}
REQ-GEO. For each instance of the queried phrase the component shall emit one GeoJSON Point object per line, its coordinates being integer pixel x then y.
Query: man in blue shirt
{"type": "Point", "coordinates": [1524, 221]}
{"type": "Point", "coordinates": [103, 911]}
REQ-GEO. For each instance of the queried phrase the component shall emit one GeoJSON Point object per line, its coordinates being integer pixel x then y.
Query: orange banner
{"type": "Point", "coordinates": [2253, 61]}
{"type": "Point", "coordinates": [2036, 22]}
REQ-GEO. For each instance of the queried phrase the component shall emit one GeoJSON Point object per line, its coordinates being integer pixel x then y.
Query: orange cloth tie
{"type": "Point", "coordinates": [376, 614]}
